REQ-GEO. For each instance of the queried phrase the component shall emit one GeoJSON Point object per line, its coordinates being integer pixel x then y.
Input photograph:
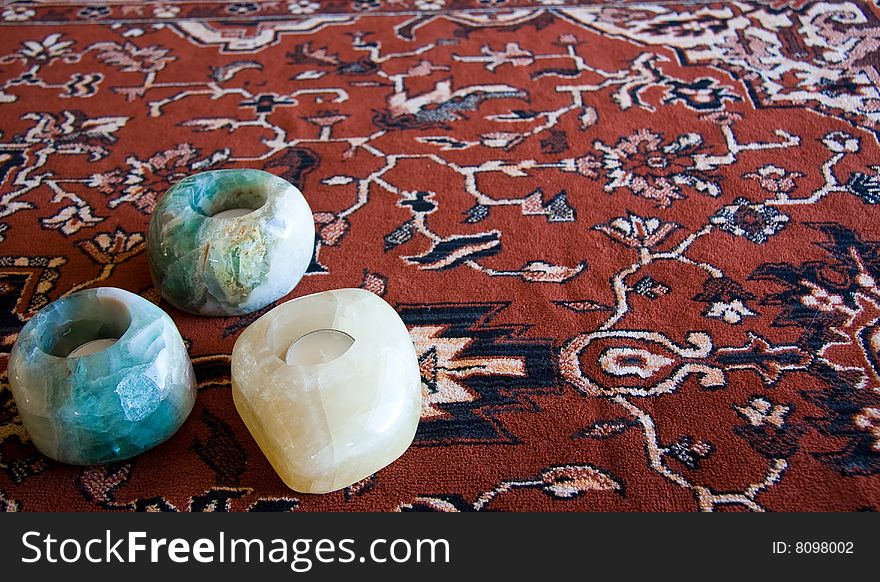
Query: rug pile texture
{"type": "Point", "coordinates": [637, 245]}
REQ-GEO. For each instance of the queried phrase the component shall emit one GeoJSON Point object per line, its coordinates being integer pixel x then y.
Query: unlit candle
{"type": "Point", "coordinates": [233, 213]}
{"type": "Point", "coordinates": [317, 347]}
{"type": "Point", "coordinates": [92, 347]}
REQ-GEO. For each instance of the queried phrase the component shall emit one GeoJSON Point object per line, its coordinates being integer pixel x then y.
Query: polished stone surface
{"type": "Point", "coordinates": [210, 265]}
{"type": "Point", "coordinates": [325, 426]}
{"type": "Point", "coordinates": [111, 404]}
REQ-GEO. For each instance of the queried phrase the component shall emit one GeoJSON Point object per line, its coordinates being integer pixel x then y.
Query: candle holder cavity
{"type": "Point", "coordinates": [329, 386]}
{"type": "Point", "coordinates": [99, 376]}
{"type": "Point", "coordinates": [229, 242]}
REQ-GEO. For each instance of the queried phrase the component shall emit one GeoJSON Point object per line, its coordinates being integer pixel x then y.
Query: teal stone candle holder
{"type": "Point", "coordinates": [229, 242]}
{"type": "Point", "coordinates": [82, 406]}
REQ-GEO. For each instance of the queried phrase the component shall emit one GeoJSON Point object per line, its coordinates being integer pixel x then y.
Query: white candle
{"type": "Point", "coordinates": [92, 347]}
{"type": "Point", "coordinates": [317, 347]}
{"type": "Point", "coordinates": [233, 213]}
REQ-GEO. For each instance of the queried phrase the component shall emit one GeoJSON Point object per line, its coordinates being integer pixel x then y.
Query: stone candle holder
{"type": "Point", "coordinates": [82, 406]}
{"type": "Point", "coordinates": [229, 242]}
{"type": "Point", "coordinates": [327, 411]}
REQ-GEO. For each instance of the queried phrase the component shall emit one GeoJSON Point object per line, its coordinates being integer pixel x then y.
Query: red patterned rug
{"type": "Point", "coordinates": [636, 246]}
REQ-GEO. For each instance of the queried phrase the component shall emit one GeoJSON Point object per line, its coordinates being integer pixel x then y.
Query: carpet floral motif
{"type": "Point", "coordinates": [637, 245]}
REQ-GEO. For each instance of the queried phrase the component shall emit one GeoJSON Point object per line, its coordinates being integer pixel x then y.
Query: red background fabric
{"type": "Point", "coordinates": [635, 246]}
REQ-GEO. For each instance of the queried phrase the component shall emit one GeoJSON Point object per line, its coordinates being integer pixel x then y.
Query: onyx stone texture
{"type": "Point", "coordinates": [326, 425]}
{"type": "Point", "coordinates": [108, 405]}
{"type": "Point", "coordinates": [207, 264]}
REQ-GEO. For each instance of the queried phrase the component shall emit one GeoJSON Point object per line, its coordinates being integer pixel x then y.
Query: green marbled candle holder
{"type": "Point", "coordinates": [209, 265]}
{"type": "Point", "coordinates": [111, 404]}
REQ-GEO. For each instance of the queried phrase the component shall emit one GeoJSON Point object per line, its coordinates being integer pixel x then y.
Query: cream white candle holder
{"type": "Point", "coordinates": [347, 412]}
